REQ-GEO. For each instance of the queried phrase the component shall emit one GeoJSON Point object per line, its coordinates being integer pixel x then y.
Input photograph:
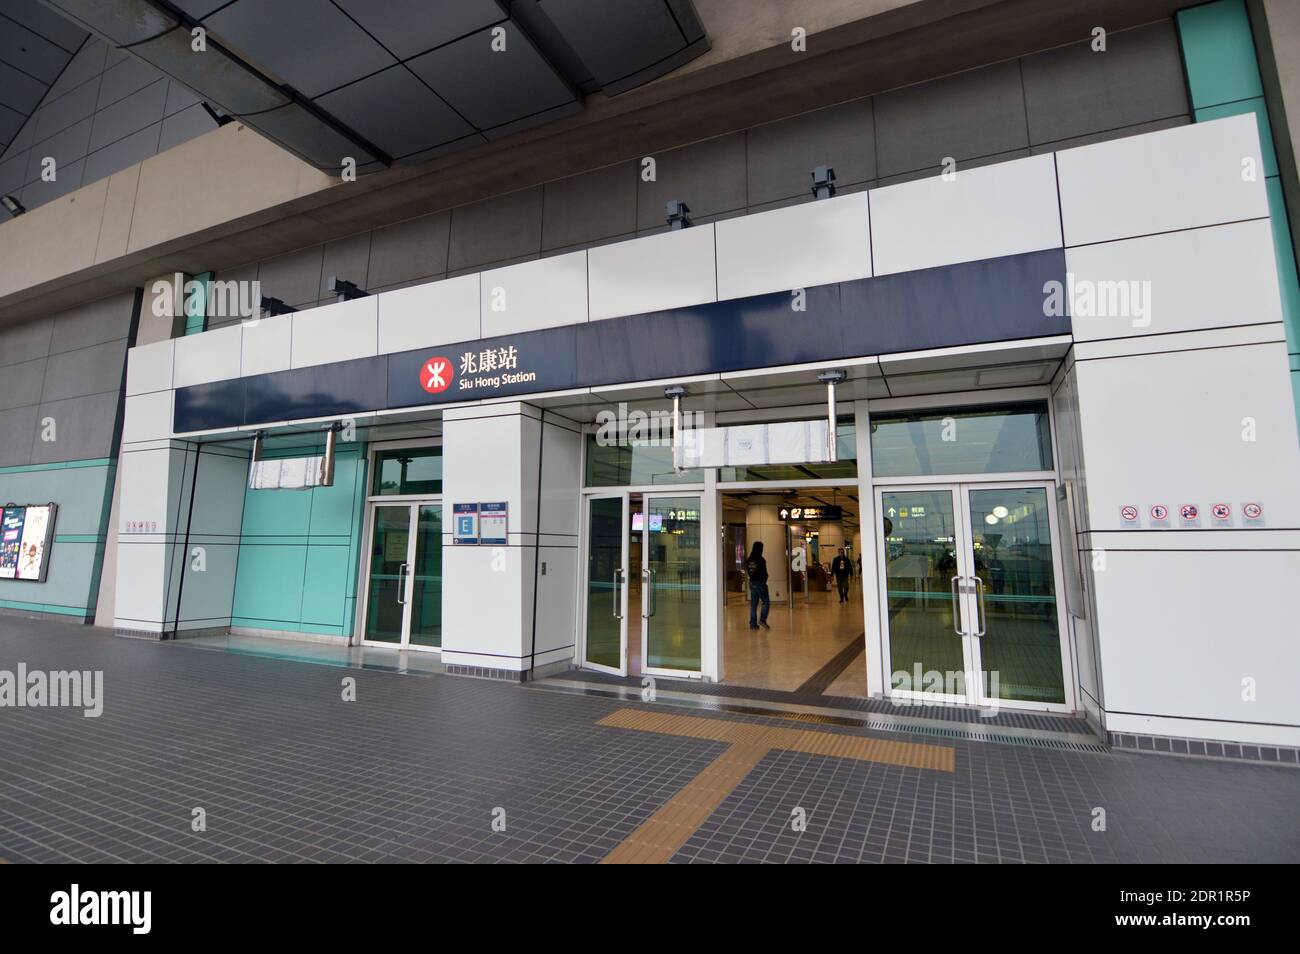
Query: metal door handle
{"type": "Point", "coordinates": [983, 615]}
{"type": "Point", "coordinates": [401, 583]}
{"type": "Point", "coordinates": [618, 603]}
{"type": "Point", "coordinates": [648, 599]}
{"type": "Point", "coordinates": [956, 608]}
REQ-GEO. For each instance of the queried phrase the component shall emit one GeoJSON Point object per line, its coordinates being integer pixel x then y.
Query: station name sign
{"type": "Point", "coordinates": [493, 367]}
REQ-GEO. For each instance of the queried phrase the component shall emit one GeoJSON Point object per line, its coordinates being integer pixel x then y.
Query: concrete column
{"type": "Point", "coordinates": [763, 524]}
{"type": "Point", "coordinates": [511, 608]}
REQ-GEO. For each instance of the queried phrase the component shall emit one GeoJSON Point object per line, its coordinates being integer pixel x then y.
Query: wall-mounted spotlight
{"type": "Point", "coordinates": [274, 306]}
{"type": "Point", "coordinates": [823, 186]}
{"type": "Point", "coordinates": [344, 289]}
{"type": "Point", "coordinates": [12, 205]}
{"type": "Point", "coordinates": [216, 117]}
{"type": "Point", "coordinates": [679, 215]}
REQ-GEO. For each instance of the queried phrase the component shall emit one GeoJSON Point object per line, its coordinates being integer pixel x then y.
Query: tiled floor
{"type": "Point", "coordinates": [420, 766]}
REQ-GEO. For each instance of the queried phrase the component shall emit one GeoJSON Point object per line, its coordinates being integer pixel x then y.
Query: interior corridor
{"type": "Point", "coordinates": [815, 643]}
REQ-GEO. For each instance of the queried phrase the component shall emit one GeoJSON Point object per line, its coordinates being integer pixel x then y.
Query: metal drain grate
{"type": "Point", "coordinates": [957, 731]}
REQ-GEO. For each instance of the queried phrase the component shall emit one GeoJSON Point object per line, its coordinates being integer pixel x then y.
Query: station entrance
{"type": "Point", "coordinates": [811, 639]}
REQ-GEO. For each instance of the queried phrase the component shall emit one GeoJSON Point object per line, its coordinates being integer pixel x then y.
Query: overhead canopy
{"type": "Point", "coordinates": [402, 80]}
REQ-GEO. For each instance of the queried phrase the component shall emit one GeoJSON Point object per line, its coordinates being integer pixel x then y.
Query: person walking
{"type": "Point", "coordinates": [756, 568]}
{"type": "Point", "coordinates": [842, 569]}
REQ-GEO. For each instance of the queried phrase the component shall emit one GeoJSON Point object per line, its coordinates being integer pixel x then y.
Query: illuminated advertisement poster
{"type": "Point", "coordinates": [25, 535]}
{"type": "Point", "coordinates": [11, 533]}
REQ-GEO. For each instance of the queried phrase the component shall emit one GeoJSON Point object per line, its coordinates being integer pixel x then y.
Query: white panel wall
{"type": "Point", "coordinates": [1168, 428]}
{"type": "Point", "coordinates": [211, 356]}
{"type": "Point", "coordinates": [1175, 179]}
{"type": "Point", "coordinates": [423, 316]}
{"type": "Point", "coordinates": [266, 346]}
{"type": "Point", "coordinates": [1207, 620]}
{"type": "Point", "coordinates": [149, 367]}
{"type": "Point", "coordinates": [1202, 278]}
{"type": "Point", "coordinates": [987, 212]}
{"type": "Point", "coordinates": [816, 243]}
{"type": "Point", "coordinates": [148, 417]}
{"type": "Point", "coordinates": [543, 294]}
{"type": "Point", "coordinates": [672, 269]}
{"type": "Point", "coordinates": [338, 332]}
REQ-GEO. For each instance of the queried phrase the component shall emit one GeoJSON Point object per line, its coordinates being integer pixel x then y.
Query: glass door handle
{"type": "Point", "coordinates": [618, 603]}
{"type": "Point", "coordinates": [401, 583]}
{"type": "Point", "coordinates": [956, 607]}
{"type": "Point", "coordinates": [648, 598]}
{"type": "Point", "coordinates": [983, 614]}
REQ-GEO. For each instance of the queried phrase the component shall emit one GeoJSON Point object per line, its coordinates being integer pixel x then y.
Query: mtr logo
{"type": "Point", "coordinates": [436, 374]}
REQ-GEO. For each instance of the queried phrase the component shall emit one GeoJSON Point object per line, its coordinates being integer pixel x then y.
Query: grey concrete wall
{"type": "Point", "coordinates": [1038, 103]}
{"type": "Point", "coordinates": [68, 369]}
{"type": "Point", "coordinates": [107, 110]}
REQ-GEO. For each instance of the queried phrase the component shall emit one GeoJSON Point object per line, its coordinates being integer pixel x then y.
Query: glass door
{"type": "Point", "coordinates": [1019, 639]}
{"type": "Point", "coordinates": [670, 584]}
{"type": "Point", "coordinates": [922, 581]}
{"type": "Point", "coordinates": [605, 608]}
{"type": "Point", "coordinates": [969, 577]}
{"type": "Point", "coordinates": [404, 576]}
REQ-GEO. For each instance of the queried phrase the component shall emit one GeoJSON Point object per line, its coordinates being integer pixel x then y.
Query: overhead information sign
{"type": "Point", "coordinates": [811, 514]}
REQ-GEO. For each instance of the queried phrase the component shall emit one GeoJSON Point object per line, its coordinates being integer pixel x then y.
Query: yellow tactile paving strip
{"type": "Point", "coordinates": [659, 838]}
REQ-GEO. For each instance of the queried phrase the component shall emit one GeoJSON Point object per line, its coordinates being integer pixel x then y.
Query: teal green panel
{"type": "Point", "coordinates": [58, 465]}
{"type": "Point", "coordinates": [196, 306]}
{"type": "Point", "coordinates": [1219, 53]}
{"type": "Point", "coordinates": [269, 582]}
{"type": "Point", "coordinates": [1260, 110]}
{"type": "Point", "coordinates": [276, 512]}
{"type": "Point", "coordinates": [1286, 264]}
{"type": "Point", "coordinates": [69, 582]}
{"type": "Point", "coordinates": [334, 509]}
{"type": "Point", "coordinates": [82, 494]}
{"type": "Point", "coordinates": [326, 586]}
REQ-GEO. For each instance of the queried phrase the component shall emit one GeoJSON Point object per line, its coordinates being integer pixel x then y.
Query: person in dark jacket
{"type": "Point", "coordinates": [756, 568]}
{"type": "Point", "coordinates": [842, 569]}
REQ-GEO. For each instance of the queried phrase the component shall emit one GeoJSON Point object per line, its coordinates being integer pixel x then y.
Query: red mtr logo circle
{"type": "Point", "coordinates": [436, 374]}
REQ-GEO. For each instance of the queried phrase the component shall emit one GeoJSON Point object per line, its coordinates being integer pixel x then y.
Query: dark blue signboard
{"type": "Point", "coordinates": [999, 299]}
{"type": "Point", "coordinates": [527, 363]}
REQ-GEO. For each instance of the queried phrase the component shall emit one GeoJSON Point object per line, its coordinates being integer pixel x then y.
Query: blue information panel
{"type": "Point", "coordinates": [494, 523]}
{"type": "Point", "coordinates": [464, 518]}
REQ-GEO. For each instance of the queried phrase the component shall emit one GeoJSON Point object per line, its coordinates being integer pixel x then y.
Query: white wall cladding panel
{"type": "Point", "coordinates": [546, 293]}
{"type": "Point", "coordinates": [267, 344]}
{"type": "Point", "coordinates": [1168, 428]}
{"type": "Point", "coordinates": [149, 367]}
{"type": "Point", "coordinates": [1198, 279]}
{"type": "Point", "coordinates": [210, 356]}
{"type": "Point", "coordinates": [1177, 178]}
{"type": "Point", "coordinates": [148, 417]}
{"type": "Point", "coordinates": [816, 243]}
{"type": "Point", "coordinates": [672, 269]}
{"type": "Point", "coordinates": [435, 313]}
{"type": "Point", "coordinates": [1181, 630]}
{"type": "Point", "coordinates": [986, 212]}
{"type": "Point", "coordinates": [338, 332]}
